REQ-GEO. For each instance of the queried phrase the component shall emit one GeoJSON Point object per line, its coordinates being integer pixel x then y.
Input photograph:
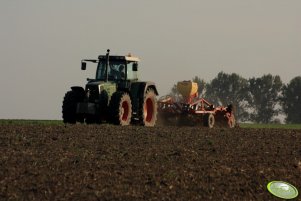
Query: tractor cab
{"type": "Point", "coordinates": [115, 68]}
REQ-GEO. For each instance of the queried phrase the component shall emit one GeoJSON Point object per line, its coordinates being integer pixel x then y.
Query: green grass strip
{"type": "Point", "coordinates": [30, 122]}
{"type": "Point", "coordinates": [284, 126]}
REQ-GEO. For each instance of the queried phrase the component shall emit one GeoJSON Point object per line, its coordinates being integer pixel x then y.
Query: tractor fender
{"type": "Point", "coordinates": [151, 85]}
{"type": "Point", "coordinates": [138, 89]}
{"type": "Point", "coordinates": [137, 92]}
{"type": "Point", "coordinates": [78, 89]}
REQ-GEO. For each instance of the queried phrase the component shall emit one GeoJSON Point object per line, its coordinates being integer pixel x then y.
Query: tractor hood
{"type": "Point", "coordinates": [95, 89]}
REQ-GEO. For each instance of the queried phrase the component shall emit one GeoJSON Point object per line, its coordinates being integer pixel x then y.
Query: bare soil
{"type": "Point", "coordinates": [106, 162]}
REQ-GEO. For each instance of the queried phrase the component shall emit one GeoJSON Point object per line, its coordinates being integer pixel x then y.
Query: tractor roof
{"type": "Point", "coordinates": [128, 57]}
{"type": "Point", "coordinates": [131, 58]}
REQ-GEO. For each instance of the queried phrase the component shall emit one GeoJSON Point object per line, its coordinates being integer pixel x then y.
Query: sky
{"type": "Point", "coordinates": [43, 42]}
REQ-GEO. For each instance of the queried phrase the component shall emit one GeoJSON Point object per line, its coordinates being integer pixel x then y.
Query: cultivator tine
{"type": "Point", "coordinates": [178, 108]}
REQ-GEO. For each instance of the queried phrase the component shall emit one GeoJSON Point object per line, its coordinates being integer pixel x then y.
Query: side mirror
{"type": "Point", "coordinates": [84, 66]}
{"type": "Point", "coordinates": [135, 67]}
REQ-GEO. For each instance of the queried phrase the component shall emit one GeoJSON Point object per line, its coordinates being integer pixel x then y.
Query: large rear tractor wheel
{"type": "Point", "coordinates": [69, 107]}
{"type": "Point", "coordinates": [120, 108]}
{"type": "Point", "coordinates": [209, 120]}
{"type": "Point", "coordinates": [149, 109]}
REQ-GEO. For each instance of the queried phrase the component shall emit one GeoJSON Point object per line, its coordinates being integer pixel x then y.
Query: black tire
{"type": "Point", "coordinates": [103, 110]}
{"type": "Point", "coordinates": [120, 108]}
{"type": "Point", "coordinates": [69, 107]}
{"type": "Point", "coordinates": [90, 119]}
{"type": "Point", "coordinates": [149, 109]}
{"type": "Point", "coordinates": [103, 106]}
{"type": "Point", "coordinates": [209, 120]}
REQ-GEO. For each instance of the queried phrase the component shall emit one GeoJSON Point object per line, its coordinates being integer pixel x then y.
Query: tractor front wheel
{"type": "Point", "coordinates": [120, 108]}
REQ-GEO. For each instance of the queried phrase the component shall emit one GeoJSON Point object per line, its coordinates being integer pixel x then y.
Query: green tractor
{"type": "Point", "coordinates": [115, 95]}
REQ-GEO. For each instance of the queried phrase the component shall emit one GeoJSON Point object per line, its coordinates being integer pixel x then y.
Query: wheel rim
{"type": "Point", "coordinates": [148, 110]}
{"type": "Point", "coordinates": [125, 111]}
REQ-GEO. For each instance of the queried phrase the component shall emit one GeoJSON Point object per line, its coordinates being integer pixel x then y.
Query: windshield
{"type": "Point", "coordinates": [118, 70]}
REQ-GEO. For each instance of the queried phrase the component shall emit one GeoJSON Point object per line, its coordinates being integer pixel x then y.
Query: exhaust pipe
{"type": "Point", "coordinates": [107, 64]}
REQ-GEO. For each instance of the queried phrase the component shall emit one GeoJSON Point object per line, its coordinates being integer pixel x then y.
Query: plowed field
{"type": "Point", "coordinates": [106, 162]}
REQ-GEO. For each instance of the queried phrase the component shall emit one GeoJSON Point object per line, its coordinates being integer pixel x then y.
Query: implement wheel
{"type": "Point", "coordinates": [120, 108]}
{"type": "Point", "coordinates": [209, 120]}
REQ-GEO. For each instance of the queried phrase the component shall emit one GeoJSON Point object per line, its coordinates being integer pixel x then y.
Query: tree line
{"type": "Point", "coordinates": [262, 100]}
